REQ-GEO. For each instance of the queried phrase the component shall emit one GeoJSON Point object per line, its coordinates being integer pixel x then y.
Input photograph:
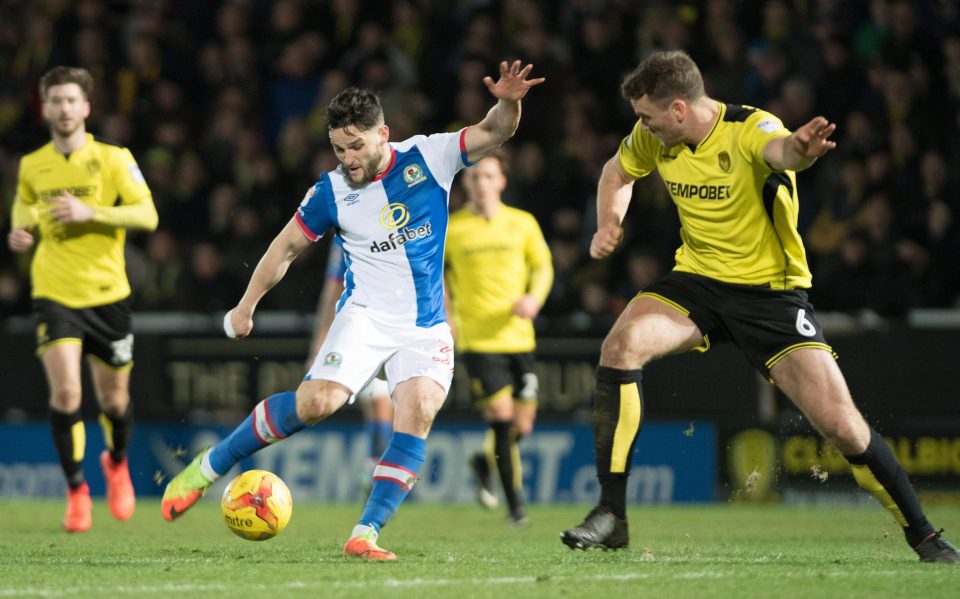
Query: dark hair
{"type": "Point", "coordinates": [664, 76]}
{"type": "Point", "coordinates": [62, 75]}
{"type": "Point", "coordinates": [501, 157]}
{"type": "Point", "coordinates": [355, 107]}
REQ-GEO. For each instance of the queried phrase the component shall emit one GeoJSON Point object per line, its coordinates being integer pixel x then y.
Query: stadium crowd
{"type": "Point", "coordinates": [221, 102]}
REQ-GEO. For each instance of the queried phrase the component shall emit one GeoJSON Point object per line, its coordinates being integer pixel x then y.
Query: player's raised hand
{"type": "Point", "coordinates": [67, 208]}
{"type": "Point", "coordinates": [19, 239]}
{"type": "Point", "coordinates": [812, 139]}
{"type": "Point", "coordinates": [513, 83]}
{"type": "Point", "coordinates": [605, 240]}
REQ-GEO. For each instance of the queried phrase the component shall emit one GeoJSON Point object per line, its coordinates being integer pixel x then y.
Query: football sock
{"type": "Point", "coordinates": [70, 439]}
{"type": "Point", "coordinates": [617, 416]}
{"type": "Point", "coordinates": [393, 478]}
{"type": "Point", "coordinates": [505, 441]}
{"type": "Point", "coordinates": [116, 433]}
{"type": "Point", "coordinates": [378, 432]}
{"type": "Point", "coordinates": [490, 452]}
{"type": "Point", "coordinates": [878, 471]}
{"type": "Point", "coordinates": [273, 419]}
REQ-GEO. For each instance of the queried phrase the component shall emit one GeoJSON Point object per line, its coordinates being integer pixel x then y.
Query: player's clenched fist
{"type": "Point", "coordinates": [19, 239]}
{"type": "Point", "coordinates": [605, 240]}
{"type": "Point", "coordinates": [68, 208]}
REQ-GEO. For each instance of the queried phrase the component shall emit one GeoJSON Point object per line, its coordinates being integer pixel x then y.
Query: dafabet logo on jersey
{"type": "Point", "coordinates": [392, 217]}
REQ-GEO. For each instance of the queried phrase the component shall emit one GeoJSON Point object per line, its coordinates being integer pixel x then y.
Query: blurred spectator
{"type": "Point", "coordinates": [207, 286]}
{"type": "Point", "coordinates": [223, 103]}
{"type": "Point", "coordinates": [873, 267]}
{"type": "Point", "coordinates": [165, 271]}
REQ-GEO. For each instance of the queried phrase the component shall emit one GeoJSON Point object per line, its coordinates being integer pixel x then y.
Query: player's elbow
{"type": "Point", "coordinates": [153, 221]}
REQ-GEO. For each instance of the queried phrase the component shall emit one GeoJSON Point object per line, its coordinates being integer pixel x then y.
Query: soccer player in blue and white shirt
{"type": "Point", "coordinates": [388, 205]}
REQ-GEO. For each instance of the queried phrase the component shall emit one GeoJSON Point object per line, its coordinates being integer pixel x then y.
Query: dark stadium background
{"type": "Point", "coordinates": [222, 105]}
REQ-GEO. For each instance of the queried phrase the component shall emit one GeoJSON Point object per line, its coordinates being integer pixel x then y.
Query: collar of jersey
{"type": "Point", "coordinates": [722, 108]}
{"type": "Point", "coordinates": [393, 160]}
{"type": "Point", "coordinates": [80, 150]}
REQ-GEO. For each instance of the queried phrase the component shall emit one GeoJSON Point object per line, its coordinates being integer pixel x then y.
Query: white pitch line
{"type": "Point", "coordinates": [401, 583]}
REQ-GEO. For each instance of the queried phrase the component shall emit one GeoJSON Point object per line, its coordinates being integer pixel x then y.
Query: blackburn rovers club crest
{"type": "Point", "coordinates": [413, 174]}
{"type": "Point", "coordinates": [332, 359]}
{"type": "Point", "coordinates": [724, 159]}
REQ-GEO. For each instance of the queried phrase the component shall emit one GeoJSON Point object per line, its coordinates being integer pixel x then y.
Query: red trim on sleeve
{"type": "Point", "coordinates": [393, 159]}
{"type": "Point", "coordinates": [463, 140]}
{"type": "Point", "coordinates": [304, 228]}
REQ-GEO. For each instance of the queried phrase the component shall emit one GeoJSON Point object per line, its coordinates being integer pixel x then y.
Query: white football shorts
{"type": "Point", "coordinates": [358, 346]}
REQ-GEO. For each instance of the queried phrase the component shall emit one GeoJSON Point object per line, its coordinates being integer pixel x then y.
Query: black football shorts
{"type": "Point", "coordinates": [103, 331]}
{"type": "Point", "coordinates": [765, 324]}
{"type": "Point", "coordinates": [492, 373]}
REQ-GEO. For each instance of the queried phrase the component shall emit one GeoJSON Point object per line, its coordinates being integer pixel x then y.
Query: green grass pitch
{"type": "Point", "coordinates": [462, 551]}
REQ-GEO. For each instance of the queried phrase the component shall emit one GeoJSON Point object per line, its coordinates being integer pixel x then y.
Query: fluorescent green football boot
{"type": "Point", "coordinates": [184, 490]}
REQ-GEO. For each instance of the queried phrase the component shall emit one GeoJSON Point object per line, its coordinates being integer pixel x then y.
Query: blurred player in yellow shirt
{"type": "Point", "coordinates": [498, 274]}
{"type": "Point", "coordinates": [76, 197]}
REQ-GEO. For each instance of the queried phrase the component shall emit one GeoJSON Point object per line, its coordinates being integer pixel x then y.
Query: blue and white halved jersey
{"type": "Point", "coordinates": [392, 230]}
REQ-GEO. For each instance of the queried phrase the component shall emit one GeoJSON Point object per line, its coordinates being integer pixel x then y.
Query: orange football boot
{"type": "Point", "coordinates": [77, 518]}
{"type": "Point", "coordinates": [365, 547]}
{"type": "Point", "coordinates": [120, 495]}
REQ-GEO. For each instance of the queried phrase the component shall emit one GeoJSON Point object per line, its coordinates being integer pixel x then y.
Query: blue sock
{"type": "Point", "coordinates": [393, 478]}
{"type": "Point", "coordinates": [273, 419]}
{"type": "Point", "coordinates": [378, 431]}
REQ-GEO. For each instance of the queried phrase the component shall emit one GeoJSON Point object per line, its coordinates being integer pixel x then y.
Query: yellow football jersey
{"type": "Point", "coordinates": [489, 265]}
{"type": "Point", "coordinates": [81, 264]}
{"type": "Point", "coordinates": [738, 216]}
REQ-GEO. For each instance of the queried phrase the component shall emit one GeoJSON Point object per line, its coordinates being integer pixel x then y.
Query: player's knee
{"type": "Point", "coordinates": [846, 435]}
{"type": "Point", "coordinates": [499, 410]}
{"type": "Point", "coordinates": [425, 407]}
{"type": "Point", "coordinates": [415, 414]}
{"type": "Point", "coordinates": [114, 404]}
{"type": "Point", "coordinates": [66, 398]}
{"type": "Point", "coordinates": [623, 348]}
{"type": "Point", "coordinates": [315, 405]}
{"type": "Point", "coordinates": [524, 428]}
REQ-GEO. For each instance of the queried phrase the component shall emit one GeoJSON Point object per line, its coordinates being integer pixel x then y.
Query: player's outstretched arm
{"type": "Point", "coordinates": [502, 120]}
{"type": "Point", "coordinates": [800, 149]}
{"type": "Point", "coordinates": [613, 198]}
{"type": "Point", "coordinates": [269, 271]}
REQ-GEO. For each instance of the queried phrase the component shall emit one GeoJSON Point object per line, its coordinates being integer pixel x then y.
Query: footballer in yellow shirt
{"type": "Point", "coordinates": [498, 272]}
{"type": "Point", "coordinates": [740, 276]}
{"type": "Point", "coordinates": [76, 197]}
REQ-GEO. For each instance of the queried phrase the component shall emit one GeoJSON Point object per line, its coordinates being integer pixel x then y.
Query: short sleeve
{"type": "Point", "coordinates": [317, 210]}
{"type": "Point", "coordinates": [445, 154]}
{"type": "Point", "coordinates": [760, 128]}
{"type": "Point", "coordinates": [638, 153]}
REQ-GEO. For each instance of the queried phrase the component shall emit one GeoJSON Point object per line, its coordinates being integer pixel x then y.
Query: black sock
{"type": "Point", "coordinates": [504, 438]}
{"type": "Point", "coordinates": [69, 437]}
{"type": "Point", "coordinates": [617, 403]}
{"type": "Point", "coordinates": [116, 433]}
{"type": "Point", "coordinates": [878, 471]}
